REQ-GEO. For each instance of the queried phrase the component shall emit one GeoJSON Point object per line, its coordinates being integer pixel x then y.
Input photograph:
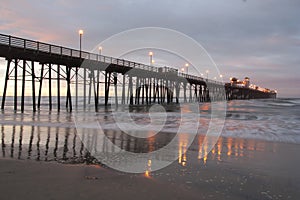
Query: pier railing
{"type": "Point", "coordinates": [37, 46]}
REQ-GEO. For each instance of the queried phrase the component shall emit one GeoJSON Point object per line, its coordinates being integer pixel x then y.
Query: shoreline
{"type": "Point", "coordinates": [257, 173]}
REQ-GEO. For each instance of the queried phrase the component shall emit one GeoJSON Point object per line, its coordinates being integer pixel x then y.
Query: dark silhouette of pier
{"type": "Point", "coordinates": [66, 68]}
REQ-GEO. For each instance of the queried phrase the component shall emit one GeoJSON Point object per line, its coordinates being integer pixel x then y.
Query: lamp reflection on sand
{"type": "Point", "coordinates": [229, 145]}
{"type": "Point", "coordinates": [203, 148]}
{"type": "Point", "coordinates": [182, 158]}
{"type": "Point", "coordinates": [219, 144]}
{"type": "Point", "coordinates": [148, 169]}
{"type": "Point", "coordinates": [229, 148]}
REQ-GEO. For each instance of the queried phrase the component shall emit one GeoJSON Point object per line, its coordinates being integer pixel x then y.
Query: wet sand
{"type": "Point", "coordinates": [234, 169]}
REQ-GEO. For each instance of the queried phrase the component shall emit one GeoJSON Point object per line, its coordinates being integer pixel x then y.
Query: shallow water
{"type": "Point", "coordinates": [53, 136]}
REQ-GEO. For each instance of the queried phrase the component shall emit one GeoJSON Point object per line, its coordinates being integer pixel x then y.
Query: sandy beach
{"type": "Point", "coordinates": [150, 100]}
{"type": "Point", "coordinates": [234, 169]}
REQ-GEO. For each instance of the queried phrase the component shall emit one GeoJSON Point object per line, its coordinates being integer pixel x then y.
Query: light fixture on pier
{"type": "Point", "coordinates": [151, 57]}
{"type": "Point", "coordinates": [207, 71]}
{"type": "Point", "coordinates": [187, 67]}
{"type": "Point", "coordinates": [100, 50]}
{"type": "Point", "coordinates": [80, 39]}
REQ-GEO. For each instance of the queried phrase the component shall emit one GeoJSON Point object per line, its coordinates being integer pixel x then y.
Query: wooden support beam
{"type": "Point", "coordinates": [69, 97]}
{"type": "Point", "coordinates": [76, 87]}
{"type": "Point", "coordinates": [33, 86]}
{"type": "Point", "coordinates": [58, 88]}
{"type": "Point", "coordinates": [23, 86]}
{"type": "Point", "coordinates": [116, 87]}
{"type": "Point", "coordinates": [40, 86]}
{"type": "Point", "coordinates": [196, 93]}
{"type": "Point", "coordinates": [95, 91]}
{"type": "Point", "coordinates": [5, 84]}
{"type": "Point", "coordinates": [84, 88]}
{"type": "Point", "coordinates": [50, 87]}
{"type": "Point", "coordinates": [16, 85]}
{"type": "Point", "coordinates": [143, 90]}
{"type": "Point", "coordinates": [154, 90]}
{"type": "Point", "coordinates": [123, 90]}
{"type": "Point", "coordinates": [200, 94]}
{"type": "Point", "coordinates": [107, 85]}
{"type": "Point", "coordinates": [158, 92]}
{"type": "Point", "coordinates": [147, 91]}
{"type": "Point", "coordinates": [130, 91]}
{"type": "Point", "coordinates": [97, 88]}
{"type": "Point", "coordinates": [184, 93]}
{"type": "Point", "coordinates": [150, 90]}
{"type": "Point", "coordinates": [90, 85]}
{"type": "Point", "coordinates": [191, 98]}
{"type": "Point", "coordinates": [137, 98]}
{"type": "Point", "coordinates": [177, 92]}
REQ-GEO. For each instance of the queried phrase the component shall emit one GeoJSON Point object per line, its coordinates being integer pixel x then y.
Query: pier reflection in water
{"type": "Point", "coordinates": [62, 144]}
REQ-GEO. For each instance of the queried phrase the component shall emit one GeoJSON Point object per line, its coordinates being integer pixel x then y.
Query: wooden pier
{"type": "Point", "coordinates": [70, 69]}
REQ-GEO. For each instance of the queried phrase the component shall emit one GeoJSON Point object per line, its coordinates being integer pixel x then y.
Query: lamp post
{"type": "Point", "coordinates": [80, 39]}
{"type": "Point", "coordinates": [76, 73]}
{"type": "Point", "coordinates": [187, 67]}
{"type": "Point", "coordinates": [100, 52]}
{"type": "Point", "coordinates": [151, 57]}
{"type": "Point", "coordinates": [207, 71]}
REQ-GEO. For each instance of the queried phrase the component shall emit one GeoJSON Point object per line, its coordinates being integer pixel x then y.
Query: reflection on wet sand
{"type": "Point", "coordinates": [62, 144]}
{"type": "Point", "coordinates": [182, 148]}
{"type": "Point", "coordinates": [232, 148]}
{"type": "Point", "coordinates": [148, 169]}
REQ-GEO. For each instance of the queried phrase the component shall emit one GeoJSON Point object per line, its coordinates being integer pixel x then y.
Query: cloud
{"type": "Point", "coordinates": [260, 38]}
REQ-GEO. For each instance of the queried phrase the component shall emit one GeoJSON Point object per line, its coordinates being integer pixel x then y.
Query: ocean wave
{"type": "Point", "coordinates": [270, 119]}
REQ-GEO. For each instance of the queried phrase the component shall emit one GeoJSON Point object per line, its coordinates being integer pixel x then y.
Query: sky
{"type": "Point", "coordinates": [254, 38]}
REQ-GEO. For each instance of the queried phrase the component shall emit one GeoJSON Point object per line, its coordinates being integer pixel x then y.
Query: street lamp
{"type": "Point", "coordinates": [187, 67]}
{"type": "Point", "coordinates": [151, 57]}
{"type": "Point", "coordinates": [207, 71]}
{"type": "Point", "coordinates": [182, 69]}
{"type": "Point", "coordinates": [100, 50]}
{"type": "Point", "coordinates": [80, 38]}
{"type": "Point", "coordinates": [76, 73]}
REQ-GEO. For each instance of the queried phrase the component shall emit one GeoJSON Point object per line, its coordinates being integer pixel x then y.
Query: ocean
{"type": "Point", "coordinates": [52, 136]}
